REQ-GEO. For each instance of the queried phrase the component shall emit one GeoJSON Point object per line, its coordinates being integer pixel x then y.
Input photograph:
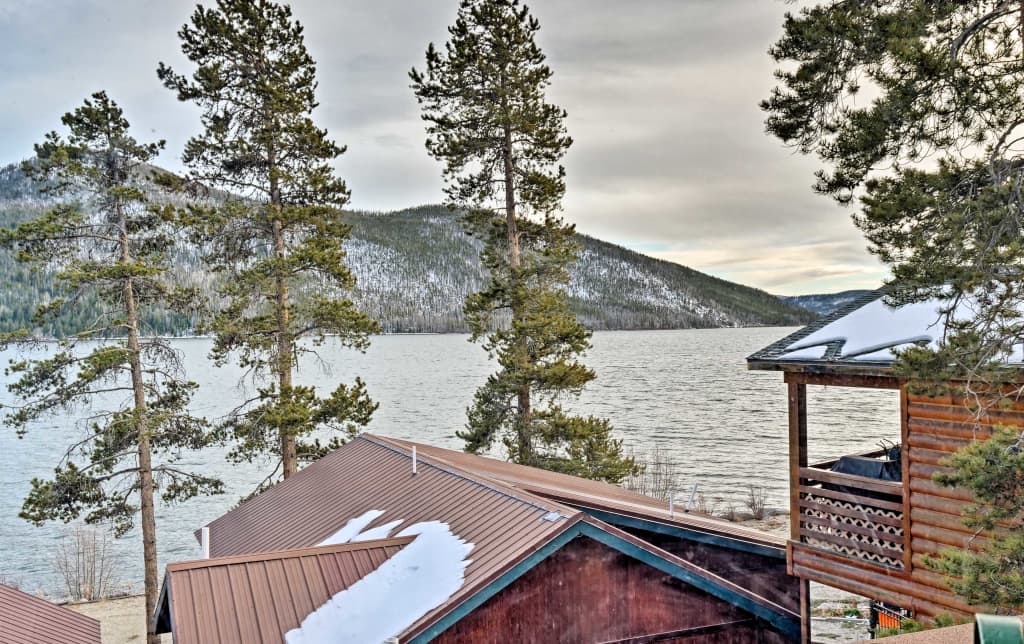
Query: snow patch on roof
{"type": "Point", "coordinates": [380, 532]}
{"type": "Point", "coordinates": [352, 528]}
{"type": "Point", "coordinates": [871, 332]}
{"type": "Point", "coordinates": [381, 605]}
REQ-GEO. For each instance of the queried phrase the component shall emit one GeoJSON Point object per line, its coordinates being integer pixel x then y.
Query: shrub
{"type": "Point", "coordinates": [86, 562]}
{"type": "Point", "coordinates": [757, 501]}
{"type": "Point", "coordinates": [659, 477]}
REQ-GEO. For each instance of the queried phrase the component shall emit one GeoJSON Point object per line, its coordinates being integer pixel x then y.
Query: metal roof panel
{"type": "Point", "coordinates": [25, 619]}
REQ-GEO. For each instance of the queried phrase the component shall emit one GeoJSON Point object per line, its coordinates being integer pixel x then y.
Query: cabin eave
{"type": "Point", "coordinates": [823, 368]}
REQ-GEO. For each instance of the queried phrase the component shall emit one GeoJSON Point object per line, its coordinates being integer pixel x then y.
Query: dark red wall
{"type": "Point", "coordinates": [760, 574]}
{"type": "Point", "coordinates": [588, 592]}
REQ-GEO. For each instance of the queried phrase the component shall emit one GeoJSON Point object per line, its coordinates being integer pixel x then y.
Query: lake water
{"type": "Point", "coordinates": [686, 392]}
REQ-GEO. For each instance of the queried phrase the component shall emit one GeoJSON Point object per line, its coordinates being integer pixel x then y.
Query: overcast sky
{"type": "Point", "coordinates": [670, 156]}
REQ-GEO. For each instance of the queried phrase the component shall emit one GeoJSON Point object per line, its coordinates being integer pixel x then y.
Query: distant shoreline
{"type": "Point", "coordinates": [390, 333]}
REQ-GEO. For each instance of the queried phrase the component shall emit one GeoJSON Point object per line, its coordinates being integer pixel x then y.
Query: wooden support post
{"type": "Point", "coordinates": [798, 460]}
{"type": "Point", "coordinates": [805, 611]}
{"type": "Point", "coordinates": [797, 451]}
{"type": "Point", "coordinates": [908, 553]}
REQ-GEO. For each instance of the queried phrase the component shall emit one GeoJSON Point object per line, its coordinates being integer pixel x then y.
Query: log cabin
{"type": "Point", "coordinates": [865, 523]}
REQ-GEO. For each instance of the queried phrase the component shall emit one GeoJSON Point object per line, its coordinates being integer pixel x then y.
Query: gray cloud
{"type": "Point", "coordinates": [670, 155]}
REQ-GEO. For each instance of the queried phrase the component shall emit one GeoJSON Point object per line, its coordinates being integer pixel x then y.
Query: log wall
{"type": "Point", "coordinates": [936, 427]}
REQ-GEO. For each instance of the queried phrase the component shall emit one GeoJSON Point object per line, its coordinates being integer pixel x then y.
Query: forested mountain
{"type": "Point", "coordinates": [415, 267]}
{"type": "Point", "coordinates": [824, 303]}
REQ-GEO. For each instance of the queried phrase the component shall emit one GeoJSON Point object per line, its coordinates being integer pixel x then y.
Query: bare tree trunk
{"type": "Point", "coordinates": [523, 408]}
{"type": "Point", "coordinates": [146, 507]}
{"type": "Point", "coordinates": [289, 459]}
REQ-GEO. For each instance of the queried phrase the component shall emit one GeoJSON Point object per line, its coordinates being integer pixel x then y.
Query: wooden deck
{"type": "Point", "coordinates": [858, 543]}
{"type": "Point", "coordinates": [876, 538]}
{"type": "Point", "coordinates": [873, 537]}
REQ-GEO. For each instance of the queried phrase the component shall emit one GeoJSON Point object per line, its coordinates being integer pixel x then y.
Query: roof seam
{"type": "Point", "coordinates": [584, 498]}
{"type": "Point", "coordinates": [305, 582]}
{"type": "Point", "coordinates": [252, 594]}
{"type": "Point", "coordinates": [285, 553]}
{"type": "Point", "coordinates": [234, 601]}
{"type": "Point", "coordinates": [216, 613]}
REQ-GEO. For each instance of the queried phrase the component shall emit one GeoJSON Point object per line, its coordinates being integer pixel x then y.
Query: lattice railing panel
{"type": "Point", "coordinates": [854, 530]}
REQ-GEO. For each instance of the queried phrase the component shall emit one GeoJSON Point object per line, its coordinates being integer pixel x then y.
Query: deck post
{"type": "Point", "coordinates": [805, 611]}
{"type": "Point", "coordinates": [908, 550]}
{"type": "Point", "coordinates": [798, 460]}
{"type": "Point", "coordinates": [797, 451]}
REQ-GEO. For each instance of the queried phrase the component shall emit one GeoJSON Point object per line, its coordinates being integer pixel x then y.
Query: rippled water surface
{"type": "Point", "coordinates": [685, 392]}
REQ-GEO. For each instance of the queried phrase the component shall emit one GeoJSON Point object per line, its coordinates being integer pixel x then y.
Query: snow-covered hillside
{"type": "Point", "coordinates": [414, 269]}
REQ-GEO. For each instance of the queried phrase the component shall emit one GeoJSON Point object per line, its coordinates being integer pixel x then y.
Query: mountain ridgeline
{"type": "Point", "coordinates": [824, 303]}
{"type": "Point", "coordinates": [414, 269]}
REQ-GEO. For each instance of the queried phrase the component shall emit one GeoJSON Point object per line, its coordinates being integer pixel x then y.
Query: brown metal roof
{"type": "Point", "coordinates": [505, 522]}
{"type": "Point", "coordinates": [25, 619]}
{"type": "Point", "coordinates": [256, 599]}
{"type": "Point", "coordinates": [584, 492]}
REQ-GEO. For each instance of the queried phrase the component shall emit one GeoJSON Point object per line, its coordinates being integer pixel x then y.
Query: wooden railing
{"type": "Point", "coordinates": [855, 516]}
{"type": "Point", "coordinates": [827, 465]}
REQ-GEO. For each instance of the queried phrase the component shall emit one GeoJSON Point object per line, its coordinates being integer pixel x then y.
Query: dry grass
{"type": "Point", "coordinates": [757, 501]}
{"type": "Point", "coordinates": [705, 505]}
{"type": "Point", "coordinates": [730, 513]}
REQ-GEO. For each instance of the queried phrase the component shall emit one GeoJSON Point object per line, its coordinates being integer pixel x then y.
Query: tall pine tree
{"type": "Point", "coordinates": [501, 143]}
{"type": "Point", "coordinates": [280, 236]}
{"type": "Point", "coordinates": [104, 239]}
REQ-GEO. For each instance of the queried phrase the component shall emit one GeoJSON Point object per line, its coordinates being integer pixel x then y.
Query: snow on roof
{"type": "Point", "coordinates": [258, 597]}
{"type": "Point", "coordinates": [352, 528]}
{"type": "Point", "coordinates": [421, 577]}
{"type": "Point", "coordinates": [869, 331]}
{"type": "Point", "coordinates": [353, 532]}
{"type": "Point", "coordinates": [367, 474]}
